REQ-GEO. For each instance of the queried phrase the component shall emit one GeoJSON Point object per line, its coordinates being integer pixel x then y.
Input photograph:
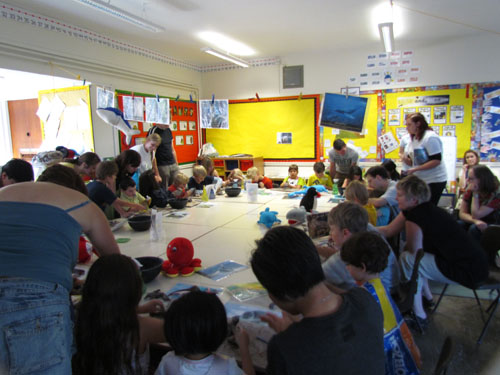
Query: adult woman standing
{"type": "Point", "coordinates": [85, 165]}
{"type": "Point", "coordinates": [481, 201]}
{"type": "Point", "coordinates": [148, 158]}
{"type": "Point", "coordinates": [425, 151]}
{"type": "Point", "coordinates": [40, 226]}
{"type": "Point", "coordinates": [471, 158]}
{"type": "Point", "coordinates": [450, 255]}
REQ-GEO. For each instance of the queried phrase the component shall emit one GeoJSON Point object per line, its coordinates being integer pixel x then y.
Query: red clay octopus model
{"type": "Point", "coordinates": [180, 258]}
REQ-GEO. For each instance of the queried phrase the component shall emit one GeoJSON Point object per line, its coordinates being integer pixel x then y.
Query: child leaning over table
{"type": "Point", "coordinates": [366, 255]}
{"type": "Point", "coordinates": [263, 181]}
{"type": "Point", "coordinates": [319, 177]}
{"type": "Point", "coordinates": [235, 177]}
{"type": "Point", "coordinates": [199, 179]}
{"type": "Point", "coordinates": [293, 180]}
{"type": "Point", "coordinates": [178, 188]}
{"type": "Point", "coordinates": [195, 325]}
{"type": "Point", "coordinates": [129, 193]}
{"type": "Point", "coordinates": [149, 186]}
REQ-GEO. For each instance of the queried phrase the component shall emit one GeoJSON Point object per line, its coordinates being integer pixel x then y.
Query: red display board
{"type": "Point", "coordinates": [183, 123]}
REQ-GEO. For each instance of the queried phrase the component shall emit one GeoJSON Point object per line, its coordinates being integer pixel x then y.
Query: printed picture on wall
{"type": "Point", "coordinates": [437, 129]}
{"type": "Point", "coordinates": [344, 112]}
{"type": "Point", "coordinates": [105, 98]}
{"type": "Point", "coordinates": [400, 133]}
{"type": "Point", "coordinates": [179, 140]}
{"type": "Point", "coordinates": [449, 131]}
{"type": "Point", "coordinates": [408, 111]}
{"type": "Point", "coordinates": [439, 115]}
{"type": "Point", "coordinates": [214, 114]}
{"type": "Point", "coordinates": [394, 117]}
{"type": "Point", "coordinates": [388, 142]}
{"type": "Point", "coordinates": [284, 138]}
{"type": "Point", "coordinates": [457, 114]}
{"type": "Point", "coordinates": [183, 125]}
{"type": "Point", "coordinates": [189, 139]}
{"type": "Point", "coordinates": [416, 101]}
{"type": "Point", "coordinates": [192, 125]}
{"type": "Point", "coordinates": [426, 112]}
{"type": "Point", "coordinates": [173, 126]}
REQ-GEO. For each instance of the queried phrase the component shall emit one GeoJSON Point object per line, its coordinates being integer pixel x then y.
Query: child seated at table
{"type": "Point", "coordinates": [102, 192]}
{"type": "Point", "coordinates": [178, 188]}
{"type": "Point", "coordinates": [366, 256]}
{"type": "Point", "coordinates": [355, 174]}
{"type": "Point", "coordinates": [199, 179]}
{"type": "Point", "coordinates": [319, 177]}
{"type": "Point", "coordinates": [236, 176]}
{"type": "Point", "coordinates": [149, 186]}
{"type": "Point", "coordinates": [129, 193]}
{"type": "Point", "coordinates": [263, 181]}
{"type": "Point", "coordinates": [110, 336]}
{"type": "Point", "coordinates": [195, 325]}
{"type": "Point", "coordinates": [293, 180]}
{"type": "Point", "coordinates": [357, 192]}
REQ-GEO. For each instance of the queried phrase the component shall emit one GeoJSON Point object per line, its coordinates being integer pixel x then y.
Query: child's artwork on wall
{"type": "Point", "coordinates": [133, 108]}
{"type": "Point", "coordinates": [284, 138]}
{"type": "Point", "coordinates": [490, 130]}
{"type": "Point", "coordinates": [189, 139]}
{"type": "Point", "coordinates": [158, 110]}
{"type": "Point", "coordinates": [394, 117]}
{"type": "Point", "coordinates": [179, 140]}
{"type": "Point", "coordinates": [449, 131]}
{"type": "Point", "coordinates": [183, 125]}
{"type": "Point", "coordinates": [173, 126]}
{"type": "Point", "coordinates": [214, 114]}
{"type": "Point", "coordinates": [192, 124]}
{"type": "Point", "coordinates": [105, 98]}
{"type": "Point", "coordinates": [343, 112]}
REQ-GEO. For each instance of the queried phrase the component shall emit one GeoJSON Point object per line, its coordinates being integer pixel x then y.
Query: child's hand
{"type": "Point", "coordinates": [277, 323]}
{"type": "Point", "coordinates": [241, 336]}
{"type": "Point", "coordinates": [153, 306]}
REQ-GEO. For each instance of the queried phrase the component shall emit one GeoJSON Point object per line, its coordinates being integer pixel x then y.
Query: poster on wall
{"type": "Point", "coordinates": [436, 129]}
{"type": "Point", "coordinates": [417, 101]}
{"type": "Point", "coordinates": [426, 112]}
{"type": "Point", "coordinates": [388, 142]}
{"type": "Point", "coordinates": [343, 112]}
{"type": "Point", "coordinates": [214, 114]}
{"type": "Point", "coordinates": [449, 131]}
{"type": "Point", "coordinates": [456, 114]}
{"type": "Point", "coordinates": [394, 117]}
{"type": "Point", "coordinates": [490, 130]}
{"type": "Point", "coordinates": [400, 133]}
{"type": "Point", "coordinates": [439, 115]}
{"type": "Point", "coordinates": [284, 138]}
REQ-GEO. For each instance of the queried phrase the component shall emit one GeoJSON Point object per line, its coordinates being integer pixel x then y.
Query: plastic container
{"type": "Point", "coordinates": [252, 192]}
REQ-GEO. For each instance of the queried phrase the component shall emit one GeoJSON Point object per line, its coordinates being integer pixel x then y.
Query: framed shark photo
{"type": "Point", "coordinates": [344, 112]}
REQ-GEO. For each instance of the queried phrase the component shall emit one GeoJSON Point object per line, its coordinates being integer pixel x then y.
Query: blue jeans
{"type": "Point", "coordinates": [36, 331]}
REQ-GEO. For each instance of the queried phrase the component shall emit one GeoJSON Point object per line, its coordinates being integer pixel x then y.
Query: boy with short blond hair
{"type": "Point", "coordinates": [199, 179]}
{"type": "Point", "coordinates": [178, 188]}
{"type": "Point", "coordinates": [263, 181]}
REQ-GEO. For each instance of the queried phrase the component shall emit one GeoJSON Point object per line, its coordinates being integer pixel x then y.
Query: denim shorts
{"type": "Point", "coordinates": [36, 327]}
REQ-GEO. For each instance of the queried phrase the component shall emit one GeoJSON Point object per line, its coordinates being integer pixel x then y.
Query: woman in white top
{"type": "Point", "coordinates": [147, 152]}
{"type": "Point", "coordinates": [425, 151]}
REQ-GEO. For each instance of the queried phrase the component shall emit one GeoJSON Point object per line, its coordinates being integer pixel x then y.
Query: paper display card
{"type": "Point", "coordinates": [179, 140]}
{"type": "Point", "coordinates": [456, 114]}
{"type": "Point", "coordinates": [222, 270]}
{"type": "Point", "coordinates": [245, 292]}
{"type": "Point", "coordinates": [133, 108]}
{"type": "Point", "coordinates": [388, 142]}
{"type": "Point", "coordinates": [440, 115]}
{"type": "Point", "coordinates": [426, 112]}
{"type": "Point", "coordinates": [214, 114]}
{"type": "Point", "coordinates": [158, 110]}
{"type": "Point", "coordinates": [436, 129]}
{"type": "Point", "coordinates": [394, 117]}
{"type": "Point", "coordinates": [105, 98]}
{"type": "Point", "coordinates": [192, 125]}
{"type": "Point", "coordinates": [284, 138]}
{"type": "Point", "coordinates": [449, 131]}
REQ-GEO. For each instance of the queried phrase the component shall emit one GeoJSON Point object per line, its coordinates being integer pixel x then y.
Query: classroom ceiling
{"type": "Point", "coordinates": [276, 27]}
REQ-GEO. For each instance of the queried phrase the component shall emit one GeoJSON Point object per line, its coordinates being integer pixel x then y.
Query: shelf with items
{"type": "Point", "coordinates": [225, 165]}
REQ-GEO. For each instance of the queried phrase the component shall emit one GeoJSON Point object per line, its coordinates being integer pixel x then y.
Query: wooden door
{"type": "Point", "coordinates": [25, 128]}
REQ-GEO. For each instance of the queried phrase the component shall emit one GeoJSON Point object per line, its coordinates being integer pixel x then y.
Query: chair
{"type": "Point", "coordinates": [493, 285]}
{"type": "Point", "coordinates": [445, 357]}
{"type": "Point", "coordinates": [490, 242]}
{"type": "Point", "coordinates": [406, 290]}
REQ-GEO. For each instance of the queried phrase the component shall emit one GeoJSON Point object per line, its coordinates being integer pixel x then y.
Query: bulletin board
{"type": "Point", "coordinates": [449, 111]}
{"type": "Point", "coordinates": [274, 128]}
{"type": "Point", "coordinates": [365, 143]}
{"type": "Point", "coordinates": [71, 124]}
{"type": "Point", "coordinates": [490, 131]}
{"type": "Point", "coordinates": [183, 124]}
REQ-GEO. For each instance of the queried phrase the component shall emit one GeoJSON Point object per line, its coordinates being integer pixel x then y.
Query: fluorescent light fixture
{"type": "Point", "coordinates": [224, 43]}
{"type": "Point", "coordinates": [122, 15]}
{"type": "Point", "coordinates": [226, 56]}
{"type": "Point", "coordinates": [387, 35]}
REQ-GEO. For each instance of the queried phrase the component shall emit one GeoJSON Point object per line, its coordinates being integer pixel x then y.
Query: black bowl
{"type": "Point", "coordinates": [151, 267]}
{"type": "Point", "coordinates": [140, 223]}
{"type": "Point", "coordinates": [232, 191]}
{"type": "Point", "coordinates": [178, 203]}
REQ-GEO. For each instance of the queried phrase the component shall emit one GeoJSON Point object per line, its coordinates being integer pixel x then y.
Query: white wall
{"type": "Point", "coordinates": [33, 49]}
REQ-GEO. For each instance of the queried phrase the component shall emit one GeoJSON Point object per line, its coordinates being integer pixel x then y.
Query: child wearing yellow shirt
{"type": "Point", "coordinates": [319, 177]}
{"type": "Point", "coordinates": [357, 192]}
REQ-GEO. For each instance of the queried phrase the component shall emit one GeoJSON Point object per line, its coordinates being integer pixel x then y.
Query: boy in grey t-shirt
{"type": "Point", "coordinates": [341, 159]}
